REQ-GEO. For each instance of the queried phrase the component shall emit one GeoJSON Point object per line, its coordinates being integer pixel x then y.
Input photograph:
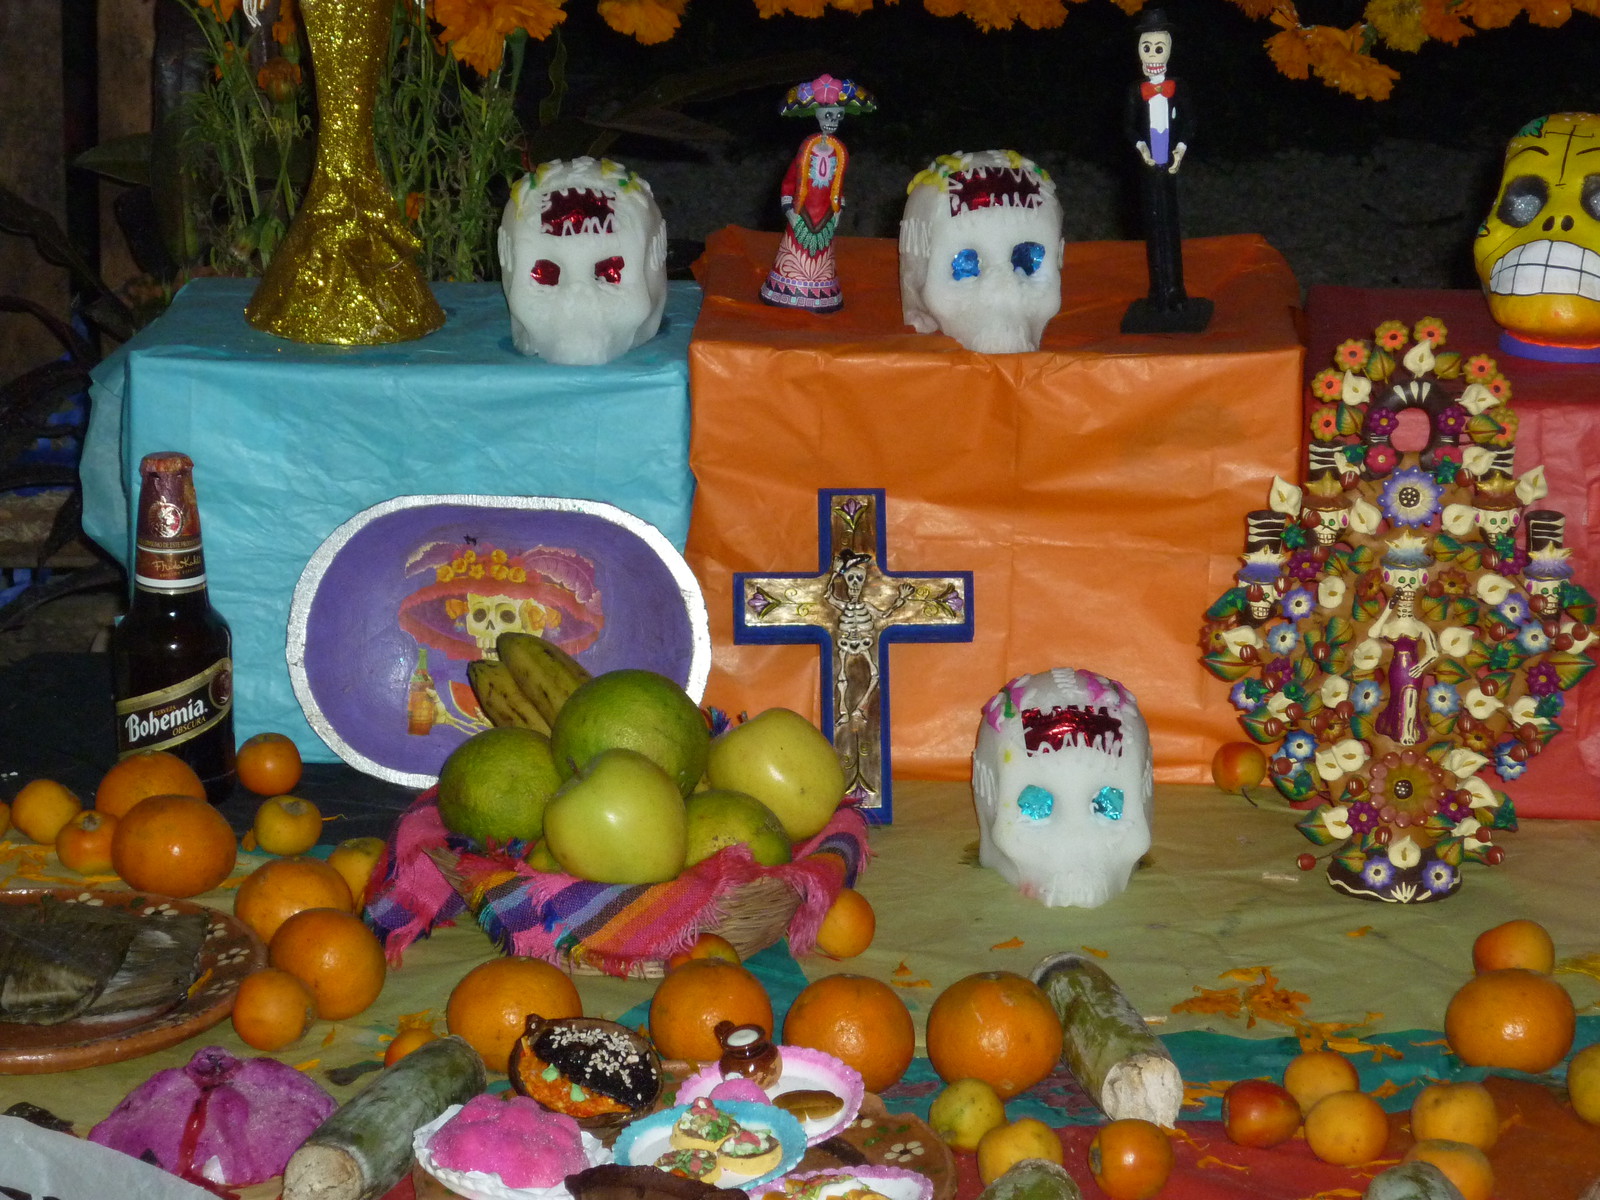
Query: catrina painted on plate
{"type": "Point", "coordinates": [1403, 625]}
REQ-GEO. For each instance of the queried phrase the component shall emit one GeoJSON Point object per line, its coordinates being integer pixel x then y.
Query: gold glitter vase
{"type": "Point", "coordinates": [346, 272]}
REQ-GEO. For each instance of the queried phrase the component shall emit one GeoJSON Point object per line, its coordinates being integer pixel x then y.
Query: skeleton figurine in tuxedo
{"type": "Point", "coordinates": [1160, 123]}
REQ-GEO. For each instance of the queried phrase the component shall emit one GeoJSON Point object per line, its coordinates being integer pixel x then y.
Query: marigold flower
{"type": "Point", "coordinates": [1495, 14]}
{"type": "Point", "coordinates": [1499, 387]}
{"type": "Point", "coordinates": [278, 79]}
{"type": "Point", "coordinates": [1441, 22]}
{"type": "Point", "coordinates": [476, 30]}
{"type": "Point", "coordinates": [414, 203]}
{"type": "Point", "coordinates": [1325, 423]}
{"type": "Point", "coordinates": [223, 10]}
{"type": "Point", "coordinates": [1479, 367]}
{"type": "Point", "coordinates": [648, 21]}
{"type": "Point", "coordinates": [811, 8]}
{"type": "Point", "coordinates": [1391, 335]}
{"type": "Point", "coordinates": [1328, 384]}
{"type": "Point", "coordinates": [1398, 22]}
{"type": "Point", "coordinates": [1289, 50]}
{"type": "Point", "coordinates": [284, 29]}
{"type": "Point", "coordinates": [1430, 330]}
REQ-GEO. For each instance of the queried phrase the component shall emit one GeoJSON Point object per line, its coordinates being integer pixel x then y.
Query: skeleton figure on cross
{"type": "Point", "coordinates": [857, 637]}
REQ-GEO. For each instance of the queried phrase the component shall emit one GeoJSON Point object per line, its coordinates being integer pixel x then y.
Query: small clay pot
{"type": "Point", "coordinates": [748, 1052]}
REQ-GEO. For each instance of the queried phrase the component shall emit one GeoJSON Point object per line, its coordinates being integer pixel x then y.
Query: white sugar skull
{"type": "Point", "coordinates": [1062, 776]}
{"type": "Point", "coordinates": [583, 253]}
{"type": "Point", "coordinates": [1538, 251]}
{"type": "Point", "coordinates": [980, 251]}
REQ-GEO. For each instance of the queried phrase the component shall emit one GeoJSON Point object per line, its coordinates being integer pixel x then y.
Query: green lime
{"type": "Point", "coordinates": [637, 710]}
{"type": "Point", "coordinates": [493, 787]}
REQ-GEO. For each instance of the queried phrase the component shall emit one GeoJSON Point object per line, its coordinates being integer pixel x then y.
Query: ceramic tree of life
{"type": "Point", "coordinates": [980, 251]}
{"type": "Point", "coordinates": [1403, 626]}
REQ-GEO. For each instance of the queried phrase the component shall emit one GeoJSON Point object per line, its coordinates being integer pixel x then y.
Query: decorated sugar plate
{"type": "Point", "coordinates": [893, 1183]}
{"type": "Point", "coordinates": [804, 1070]}
{"type": "Point", "coordinates": [486, 1185]}
{"type": "Point", "coordinates": [646, 1140]}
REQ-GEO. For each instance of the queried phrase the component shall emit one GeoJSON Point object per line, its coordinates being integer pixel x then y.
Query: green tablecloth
{"type": "Point", "coordinates": [1220, 892]}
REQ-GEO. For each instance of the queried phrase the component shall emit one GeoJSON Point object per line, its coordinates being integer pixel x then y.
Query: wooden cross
{"type": "Point", "coordinates": [853, 608]}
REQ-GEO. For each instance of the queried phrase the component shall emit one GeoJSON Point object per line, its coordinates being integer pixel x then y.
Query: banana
{"type": "Point", "coordinates": [501, 700]}
{"type": "Point", "coordinates": [546, 673]}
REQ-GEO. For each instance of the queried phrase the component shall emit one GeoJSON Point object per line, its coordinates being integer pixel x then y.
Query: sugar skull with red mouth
{"type": "Point", "coordinates": [1538, 251]}
{"type": "Point", "coordinates": [980, 251]}
{"type": "Point", "coordinates": [583, 253]}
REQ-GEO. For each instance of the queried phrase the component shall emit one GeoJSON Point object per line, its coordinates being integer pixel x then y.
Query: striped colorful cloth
{"type": "Point", "coordinates": [429, 877]}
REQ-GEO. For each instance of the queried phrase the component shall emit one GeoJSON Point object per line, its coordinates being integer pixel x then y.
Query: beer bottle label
{"type": "Point", "coordinates": [161, 720]}
{"type": "Point", "coordinates": [166, 552]}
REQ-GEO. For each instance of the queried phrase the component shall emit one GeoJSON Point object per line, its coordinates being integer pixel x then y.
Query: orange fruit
{"type": "Point", "coordinates": [707, 945]}
{"type": "Point", "coordinates": [491, 1004]}
{"type": "Point", "coordinates": [1456, 1112]}
{"type": "Point", "coordinates": [405, 1042]}
{"type": "Point", "coordinates": [996, 1026]}
{"type": "Point", "coordinates": [174, 845]}
{"type": "Point", "coordinates": [268, 764]}
{"type": "Point", "coordinates": [355, 859]}
{"type": "Point", "coordinates": [1519, 943]}
{"type": "Point", "coordinates": [1006, 1145]}
{"type": "Point", "coordinates": [860, 1021]}
{"type": "Point", "coordinates": [1583, 1083]}
{"type": "Point", "coordinates": [335, 955]}
{"type": "Point", "coordinates": [5, 818]}
{"type": "Point", "coordinates": [147, 773]}
{"type": "Point", "coordinates": [1130, 1159]}
{"type": "Point", "coordinates": [1318, 1073]}
{"type": "Point", "coordinates": [1347, 1128]}
{"type": "Point", "coordinates": [1512, 1018]}
{"type": "Point", "coordinates": [286, 825]}
{"type": "Point", "coordinates": [272, 1009]}
{"type": "Point", "coordinates": [848, 926]}
{"type": "Point", "coordinates": [281, 887]}
{"type": "Point", "coordinates": [692, 999]}
{"type": "Point", "coordinates": [42, 808]}
{"type": "Point", "coordinates": [84, 843]}
{"type": "Point", "coordinates": [1464, 1165]}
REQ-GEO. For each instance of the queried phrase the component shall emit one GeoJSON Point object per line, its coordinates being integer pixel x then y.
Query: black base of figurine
{"type": "Point", "coordinates": [1192, 316]}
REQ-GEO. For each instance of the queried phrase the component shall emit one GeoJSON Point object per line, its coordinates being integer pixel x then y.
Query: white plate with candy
{"type": "Point", "coordinates": [804, 1070]}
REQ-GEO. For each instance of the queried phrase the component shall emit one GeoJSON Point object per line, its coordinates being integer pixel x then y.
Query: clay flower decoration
{"type": "Point", "coordinates": [1427, 624]}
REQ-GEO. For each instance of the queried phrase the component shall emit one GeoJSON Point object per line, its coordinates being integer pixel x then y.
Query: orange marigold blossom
{"type": "Point", "coordinates": [476, 30]}
{"type": "Point", "coordinates": [285, 27]}
{"type": "Point", "coordinates": [647, 21]}
{"type": "Point", "coordinates": [278, 79]}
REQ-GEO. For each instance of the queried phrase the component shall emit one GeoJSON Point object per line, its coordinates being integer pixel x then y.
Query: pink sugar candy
{"type": "Point", "coordinates": [737, 1087]}
{"type": "Point", "coordinates": [513, 1138]}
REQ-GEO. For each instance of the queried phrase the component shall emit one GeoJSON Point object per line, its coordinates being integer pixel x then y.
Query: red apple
{"type": "Point", "coordinates": [1259, 1113]}
{"type": "Point", "coordinates": [1237, 766]}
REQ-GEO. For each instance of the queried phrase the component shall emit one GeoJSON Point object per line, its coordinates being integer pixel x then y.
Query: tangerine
{"type": "Point", "coordinates": [268, 764]}
{"type": "Point", "coordinates": [1317, 1073]}
{"type": "Point", "coordinates": [491, 1004]}
{"type": "Point", "coordinates": [1347, 1128]}
{"type": "Point", "coordinates": [1130, 1158]}
{"type": "Point", "coordinates": [848, 926]}
{"type": "Point", "coordinates": [355, 859]}
{"type": "Point", "coordinates": [1456, 1112]}
{"type": "Point", "coordinates": [1519, 943]}
{"type": "Point", "coordinates": [84, 843]}
{"type": "Point", "coordinates": [5, 818]}
{"type": "Point", "coordinates": [1511, 1018]}
{"type": "Point", "coordinates": [334, 954]}
{"type": "Point", "coordinates": [287, 825]}
{"type": "Point", "coordinates": [175, 845]}
{"type": "Point", "coordinates": [1463, 1164]}
{"type": "Point", "coordinates": [860, 1021]}
{"type": "Point", "coordinates": [281, 887]}
{"type": "Point", "coordinates": [1583, 1083]}
{"type": "Point", "coordinates": [144, 774]}
{"type": "Point", "coordinates": [42, 809]}
{"type": "Point", "coordinates": [405, 1042]}
{"type": "Point", "coordinates": [1004, 1146]}
{"type": "Point", "coordinates": [272, 1009]}
{"type": "Point", "coordinates": [997, 1026]}
{"type": "Point", "coordinates": [693, 998]}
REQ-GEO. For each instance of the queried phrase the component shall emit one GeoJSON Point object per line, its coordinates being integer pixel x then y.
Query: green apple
{"type": "Point", "coordinates": [637, 710]}
{"type": "Point", "coordinates": [784, 761]}
{"type": "Point", "coordinates": [719, 818]}
{"type": "Point", "coordinates": [620, 819]}
{"type": "Point", "coordinates": [494, 785]}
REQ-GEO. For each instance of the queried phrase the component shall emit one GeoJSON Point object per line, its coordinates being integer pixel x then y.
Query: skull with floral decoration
{"type": "Point", "coordinates": [1428, 628]}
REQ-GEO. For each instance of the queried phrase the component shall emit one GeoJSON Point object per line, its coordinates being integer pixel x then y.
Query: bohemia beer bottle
{"type": "Point", "coordinates": [172, 655]}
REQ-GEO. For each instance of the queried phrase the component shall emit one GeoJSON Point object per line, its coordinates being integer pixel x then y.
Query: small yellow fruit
{"type": "Point", "coordinates": [5, 818]}
{"type": "Point", "coordinates": [1583, 1083]}
{"type": "Point", "coordinates": [354, 858]}
{"type": "Point", "coordinates": [406, 1041]}
{"type": "Point", "coordinates": [964, 1111]}
{"type": "Point", "coordinates": [1456, 1112]}
{"type": "Point", "coordinates": [287, 825]}
{"type": "Point", "coordinates": [1317, 1073]}
{"type": "Point", "coordinates": [42, 808]}
{"type": "Point", "coordinates": [1006, 1145]}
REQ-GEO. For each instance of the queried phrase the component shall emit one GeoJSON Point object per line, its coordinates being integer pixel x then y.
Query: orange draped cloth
{"type": "Point", "coordinates": [1097, 489]}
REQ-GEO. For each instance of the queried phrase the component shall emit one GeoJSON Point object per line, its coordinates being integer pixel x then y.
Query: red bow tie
{"type": "Point", "coordinates": [1149, 90]}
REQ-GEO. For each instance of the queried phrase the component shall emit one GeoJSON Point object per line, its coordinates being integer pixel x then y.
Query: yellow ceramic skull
{"type": "Point", "coordinates": [1538, 252]}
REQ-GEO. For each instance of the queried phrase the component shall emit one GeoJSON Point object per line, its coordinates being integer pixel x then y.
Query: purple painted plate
{"type": "Point", "coordinates": [401, 597]}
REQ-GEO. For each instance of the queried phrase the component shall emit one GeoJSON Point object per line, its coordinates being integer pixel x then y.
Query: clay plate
{"type": "Point", "coordinates": [230, 952]}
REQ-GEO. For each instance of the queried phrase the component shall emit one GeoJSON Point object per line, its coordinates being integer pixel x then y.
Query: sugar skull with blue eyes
{"type": "Point", "coordinates": [583, 261]}
{"type": "Point", "coordinates": [980, 251]}
{"type": "Point", "coordinates": [1062, 777]}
